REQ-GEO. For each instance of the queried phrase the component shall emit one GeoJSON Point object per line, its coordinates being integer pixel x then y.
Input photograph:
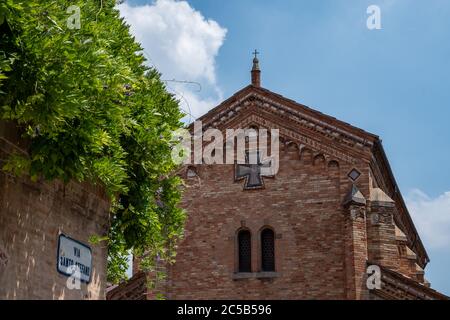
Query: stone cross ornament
{"type": "Point", "coordinates": [253, 173]}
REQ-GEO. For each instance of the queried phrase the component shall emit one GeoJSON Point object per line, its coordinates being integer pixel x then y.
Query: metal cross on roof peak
{"type": "Point", "coordinates": [256, 53]}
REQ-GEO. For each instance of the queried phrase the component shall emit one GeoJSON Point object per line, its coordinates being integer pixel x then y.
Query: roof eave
{"type": "Point", "coordinates": [379, 146]}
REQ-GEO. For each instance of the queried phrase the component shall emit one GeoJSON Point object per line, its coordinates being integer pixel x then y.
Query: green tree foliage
{"type": "Point", "coordinates": [93, 111]}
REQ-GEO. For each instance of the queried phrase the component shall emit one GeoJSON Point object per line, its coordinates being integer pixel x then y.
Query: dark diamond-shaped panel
{"type": "Point", "coordinates": [354, 174]}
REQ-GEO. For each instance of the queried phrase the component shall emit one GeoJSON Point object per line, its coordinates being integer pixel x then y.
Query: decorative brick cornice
{"type": "Point", "coordinates": [301, 139]}
{"type": "Point", "coordinates": [286, 112]}
{"type": "Point", "coordinates": [395, 286]}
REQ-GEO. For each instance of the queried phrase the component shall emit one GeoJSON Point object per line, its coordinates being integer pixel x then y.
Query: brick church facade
{"type": "Point", "coordinates": [310, 232]}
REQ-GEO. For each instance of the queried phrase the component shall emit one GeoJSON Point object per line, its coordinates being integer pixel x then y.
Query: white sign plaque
{"type": "Point", "coordinates": [74, 253]}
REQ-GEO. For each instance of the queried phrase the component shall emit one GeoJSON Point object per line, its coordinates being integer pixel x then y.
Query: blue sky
{"type": "Point", "coordinates": [394, 82]}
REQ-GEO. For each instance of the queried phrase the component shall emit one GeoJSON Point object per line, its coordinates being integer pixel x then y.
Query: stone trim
{"type": "Point", "coordinates": [255, 275]}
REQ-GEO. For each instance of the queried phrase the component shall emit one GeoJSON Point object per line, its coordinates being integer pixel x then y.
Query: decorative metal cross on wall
{"type": "Point", "coordinates": [251, 172]}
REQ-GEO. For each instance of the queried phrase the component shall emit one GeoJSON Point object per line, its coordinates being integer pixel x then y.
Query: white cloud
{"type": "Point", "coordinates": [182, 44]}
{"type": "Point", "coordinates": [431, 217]}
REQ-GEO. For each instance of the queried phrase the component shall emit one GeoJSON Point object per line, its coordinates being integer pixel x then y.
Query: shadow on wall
{"type": "Point", "coordinates": [32, 215]}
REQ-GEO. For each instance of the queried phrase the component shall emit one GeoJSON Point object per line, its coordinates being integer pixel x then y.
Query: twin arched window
{"type": "Point", "coordinates": [267, 253]}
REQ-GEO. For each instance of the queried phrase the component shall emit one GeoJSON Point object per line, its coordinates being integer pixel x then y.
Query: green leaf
{"type": "Point", "coordinates": [93, 111]}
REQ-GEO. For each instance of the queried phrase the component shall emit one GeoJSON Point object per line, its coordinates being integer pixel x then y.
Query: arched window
{"type": "Point", "coordinates": [267, 250]}
{"type": "Point", "coordinates": [245, 251]}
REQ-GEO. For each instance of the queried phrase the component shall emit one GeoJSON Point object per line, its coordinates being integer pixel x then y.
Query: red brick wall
{"type": "Point", "coordinates": [32, 215]}
{"type": "Point", "coordinates": [355, 237]}
{"type": "Point", "coordinates": [321, 251]}
{"type": "Point", "coordinates": [303, 204]}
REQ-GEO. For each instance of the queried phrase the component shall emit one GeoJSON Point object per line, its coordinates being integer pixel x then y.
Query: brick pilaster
{"type": "Point", "coordinates": [355, 244]}
{"type": "Point", "coordinates": [382, 243]}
